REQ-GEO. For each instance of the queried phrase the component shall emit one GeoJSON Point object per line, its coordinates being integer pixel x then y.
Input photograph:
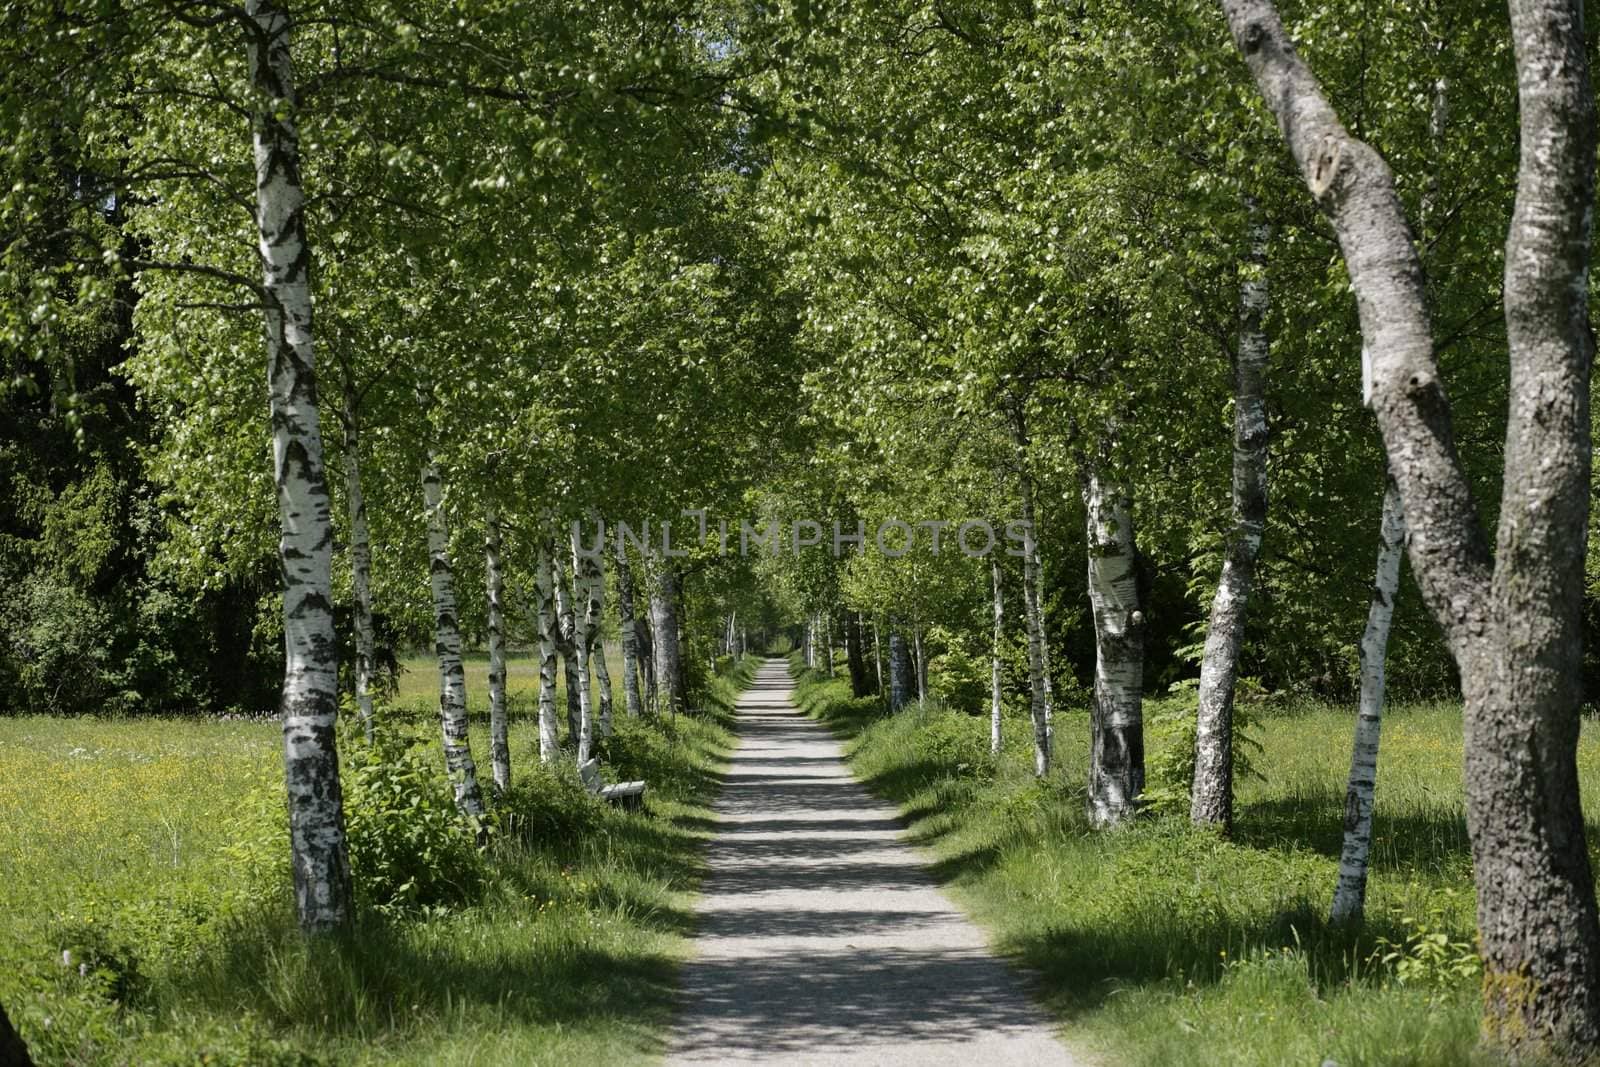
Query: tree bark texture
{"type": "Point", "coordinates": [1350, 890]}
{"type": "Point", "coordinates": [499, 726]}
{"type": "Point", "coordinates": [1116, 716]}
{"type": "Point", "coordinates": [458, 760]}
{"type": "Point", "coordinates": [1211, 795]}
{"type": "Point", "coordinates": [664, 637]}
{"type": "Point", "coordinates": [310, 700]}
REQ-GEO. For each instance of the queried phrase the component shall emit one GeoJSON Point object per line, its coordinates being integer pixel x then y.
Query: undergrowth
{"type": "Point", "coordinates": [144, 889]}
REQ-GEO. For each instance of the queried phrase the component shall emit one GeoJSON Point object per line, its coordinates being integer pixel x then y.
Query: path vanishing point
{"type": "Point", "coordinates": [822, 937]}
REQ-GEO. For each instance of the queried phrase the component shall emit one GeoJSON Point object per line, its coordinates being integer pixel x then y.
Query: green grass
{"type": "Point", "coordinates": [150, 852]}
{"type": "Point", "coordinates": [1161, 944]}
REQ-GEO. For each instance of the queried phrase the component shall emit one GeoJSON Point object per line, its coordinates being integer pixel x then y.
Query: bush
{"type": "Point", "coordinates": [548, 806]}
{"type": "Point", "coordinates": [410, 847]}
{"type": "Point", "coordinates": [960, 680]}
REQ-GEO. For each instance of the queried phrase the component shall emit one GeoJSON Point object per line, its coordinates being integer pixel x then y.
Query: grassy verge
{"type": "Point", "coordinates": [144, 917]}
{"type": "Point", "coordinates": [1166, 945]}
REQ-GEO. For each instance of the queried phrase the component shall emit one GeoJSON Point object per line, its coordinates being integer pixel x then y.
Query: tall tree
{"type": "Point", "coordinates": [1211, 797]}
{"type": "Point", "coordinates": [311, 673]}
{"type": "Point", "coordinates": [1512, 617]}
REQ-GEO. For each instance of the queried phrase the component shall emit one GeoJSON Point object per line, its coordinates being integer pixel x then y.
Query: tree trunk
{"type": "Point", "coordinates": [1211, 797]}
{"type": "Point", "coordinates": [877, 661]}
{"type": "Point", "coordinates": [499, 728]}
{"type": "Point", "coordinates": [567, 631]}
{"type": "Point", "coordinates": [595, 583]}
{"type": "Point", "coordinates": [1350, 891]}
{"type": "Point", "coordinates": [13, 1053]}
{"type": "Point", "coordinates": [854, 658]}
{"type": "Point", "coordinates": [632, 699]}
{"type": "Point", "coordinates": [549, 645]}
{"type": "Point", "coordinates": [1116, 717]}
{"type": "Point", "coordinates": [1512, 619]}
{"type": "Point", "coordinates": [447, 644]}
{"type": "Point", "coordinates": [899, 672]}
{"type": "Point", "coordinates": [827, 644]}
{"type": "Point", "coordinates": [585, 618]}
{"type": "Point", "coordinates": [1033, 613]}
{"type": "Point", "coordinates": [360, 558]}
{"type": "Point", "coordinates": [664, 624]}
{"type": "Point", "coordinates": [921, 664]}
{"type": "Point", "coordinates": [310, 700]}
{"type": "Point", "coordinates": [994, 659]}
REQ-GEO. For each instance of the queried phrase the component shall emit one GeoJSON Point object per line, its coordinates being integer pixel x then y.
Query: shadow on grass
{"type": "Point", "coordinates": [1426, 835]}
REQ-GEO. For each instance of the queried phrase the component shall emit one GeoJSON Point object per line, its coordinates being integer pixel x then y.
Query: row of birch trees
{"type": "Point", "coordinates": [1073, 277]}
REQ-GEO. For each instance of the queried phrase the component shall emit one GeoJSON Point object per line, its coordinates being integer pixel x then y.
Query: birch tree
{"type": "Point", "coordinates": [1116, 718]}
{"type": "Point", "coordinates": [499, 726]}
{"type": "Point", "coordinates": [1350, 890]}
{"type": "Point", "coordinates": [463, 771]}
{"type": "Point", "coordinates": [1511, 617]}
{"type": "Point", "coordinates": [310, 700]}
{"type": "Point", "coordinates": [1211, 795]}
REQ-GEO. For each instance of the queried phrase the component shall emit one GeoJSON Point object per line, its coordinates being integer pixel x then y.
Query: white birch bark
{"type": "Point", "coordinates": [582, 646]}
{"type": "Point", "coordinates": [1033, 614]}
{"type": "Point", "coordinates": [567, 633]}
{"type": "Point", "coordinates": [458, 760]}
{"type": "Point", "coordinates": [594, 584]}
{"type": "Point", "coordinates": [499, 727]}
{"type": "Point", "coordinates": [549, 646]}
{"type": "Point", "coordinates": [1211, 795]}
{"type": "Point", "coordinates": [310, 701]}
{"type": "Point", "coordinates": [627, 624]}
{"type": "Point", "coordinates": [1350, 890]}
{"type": "Point", "coordinates": [994, 658]}
{"type": "Point", "coordinates": [664, 639]}
{"type": "Point", "coordinates": [360, 558]}
{"type": "Point", "coordinates": [1116, 743]}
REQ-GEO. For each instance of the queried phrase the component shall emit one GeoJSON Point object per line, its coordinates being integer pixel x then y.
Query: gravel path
{"type": "Point", "coordinates": [822, 938]}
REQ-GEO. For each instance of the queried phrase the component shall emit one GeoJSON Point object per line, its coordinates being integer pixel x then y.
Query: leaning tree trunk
{"type": "Point", "coordinates": [1350, 888]}
{"type": "Point", "coordinates": [310, 700]}
{"type": "Point", "coordinates": [995, 654]}
{"type": "Point", "coordinates": [447, 643]}
{"type": "Point", "coordinates": [1512, 619]}
{"type": "Point", "coordinates": [360, 557]}
{"type": "Point", "coordinates": [1211, 795]}
{"type": "Point", "coordinates": [1116, 717]}
{"type": "Point", "coordinates": [13, 1052]}
{"type": "Point", "coordinates": [499, 728]}
{"type": "Point", "coordinates": [1033, 614]}
{"type": "Point", "coordinates": [549, 645]}
{"type": "Point", "coordinates": [567, 632]}
{"type": "Point", "coordinates": [1350, 891]}
{"type": "Point", "coordinates": [664, 623]}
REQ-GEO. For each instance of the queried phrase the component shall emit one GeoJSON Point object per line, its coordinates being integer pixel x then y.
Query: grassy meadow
{"type": "Point", "coordinates": [1167, 946]}
{"type": "Point", "coordinates": [145, 918]}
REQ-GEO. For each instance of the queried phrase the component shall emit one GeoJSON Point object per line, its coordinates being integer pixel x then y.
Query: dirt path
{"type": "Point", "coordinates": [822, 938]}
